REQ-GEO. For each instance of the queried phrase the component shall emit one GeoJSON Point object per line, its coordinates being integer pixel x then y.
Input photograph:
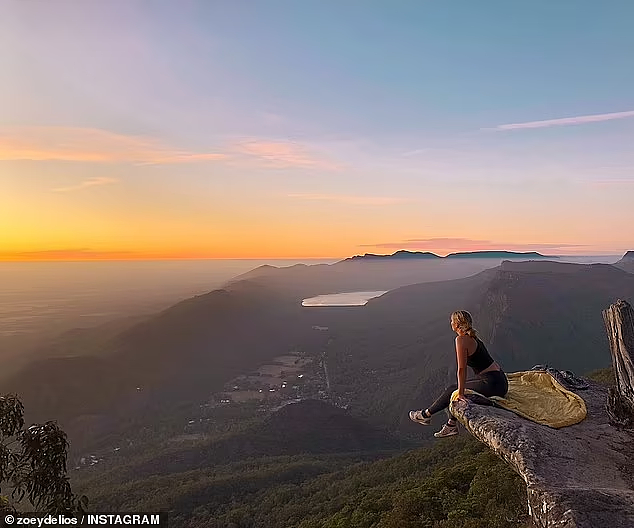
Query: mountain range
{"type": "Point", "coordinates": [134, 392]}
{"type": "Point", "coordinates": [377, 272]}
{"type": "Point", "coordinates": [404, 254]}
{"type": "Point", "coordinates": [394, 353]}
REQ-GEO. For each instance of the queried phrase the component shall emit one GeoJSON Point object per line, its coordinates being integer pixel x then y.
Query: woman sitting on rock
{"type": "Point", "coordinates": [470, 351]}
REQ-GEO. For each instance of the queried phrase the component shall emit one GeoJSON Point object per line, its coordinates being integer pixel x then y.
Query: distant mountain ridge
{"type": "Point", "coordinates": [404, 254]}
{"type": "Point", "coordinates": [377, 272]}
{"type": "Point", "coordinates": [401, 254]}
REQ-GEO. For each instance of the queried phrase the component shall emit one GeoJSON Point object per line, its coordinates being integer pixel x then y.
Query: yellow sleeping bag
{"type": "Point", "coordinates": [536, 395]}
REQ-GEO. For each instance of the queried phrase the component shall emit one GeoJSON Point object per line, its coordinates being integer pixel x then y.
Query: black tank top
{"type": "Point", "coordinates": [480, 359]}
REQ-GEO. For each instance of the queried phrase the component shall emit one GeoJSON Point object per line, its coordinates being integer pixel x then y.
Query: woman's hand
{"type": "Point", "coordinates": [462, 398]}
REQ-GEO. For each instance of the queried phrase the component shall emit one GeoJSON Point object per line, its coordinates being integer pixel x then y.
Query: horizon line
{"type": "Point", "coordinates": [158, 259]}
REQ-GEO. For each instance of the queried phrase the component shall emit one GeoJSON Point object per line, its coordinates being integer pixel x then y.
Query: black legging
{"type": "Point", "coordinates": [492, 383]}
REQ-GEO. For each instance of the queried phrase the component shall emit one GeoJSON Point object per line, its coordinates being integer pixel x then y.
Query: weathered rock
{"type": "Point", "coordinates": [619, 324]}
{"type": "Point", "coordinates": [581, 476]}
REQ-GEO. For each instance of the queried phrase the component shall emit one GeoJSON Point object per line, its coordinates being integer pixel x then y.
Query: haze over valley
{"type": "Point", "coordinates": [232, 238]}
{"type": "Point", "coordinates": [194, 350]}
{"type": "Point", "coordinates": [247, 371]}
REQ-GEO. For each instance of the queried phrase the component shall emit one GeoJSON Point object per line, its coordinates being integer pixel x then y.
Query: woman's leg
{"type": "Point", "coordinates": [491, 384]}
{"type": "Point", "coordinates": [442, 402]}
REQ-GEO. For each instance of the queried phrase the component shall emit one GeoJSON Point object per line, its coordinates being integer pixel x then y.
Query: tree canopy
{"type": "Point", "coordinates": [33, 464]}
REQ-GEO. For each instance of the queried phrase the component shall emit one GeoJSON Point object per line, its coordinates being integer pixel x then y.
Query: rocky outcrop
{"type": "Point", "coordinates": [580, 476]}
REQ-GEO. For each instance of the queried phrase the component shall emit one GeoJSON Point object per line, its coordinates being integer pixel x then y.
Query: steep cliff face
{"type": "Point", "coordinates": [577, 477]}
{"type": "Point", "coordinates": [549, 312]}
{"type": "Point", "coordinates": [494, 304]}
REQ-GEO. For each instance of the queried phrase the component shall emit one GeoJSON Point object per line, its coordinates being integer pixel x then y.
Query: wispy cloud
{"type": "Point", "coordinates": [577, 120]}
{"type": "Point", "coordinates": [90, 182]}
{"type": "Point", "coordinates": [282, 154]}
{"type": "Point", "coordinates": [628, 182]}
{"type": "Point", "coordinates": [52, 143]}
{"type": "Point", "coordinates": [346, 199]}
{"type": "Point", "coordinates": [467, 244]}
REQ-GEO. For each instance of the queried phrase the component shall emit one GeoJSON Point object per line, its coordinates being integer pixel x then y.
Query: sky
{"type": "Point", "coordinates": [315, 128]}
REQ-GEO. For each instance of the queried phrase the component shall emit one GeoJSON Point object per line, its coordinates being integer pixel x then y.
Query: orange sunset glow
{"type": "Point", "coordinates": [221, 147]}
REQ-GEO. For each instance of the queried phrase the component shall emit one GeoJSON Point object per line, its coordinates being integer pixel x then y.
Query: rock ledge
{"type": "Point", "coordinates": [581, 476]}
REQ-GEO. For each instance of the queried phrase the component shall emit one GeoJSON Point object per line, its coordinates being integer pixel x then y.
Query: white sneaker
{"type": "Point", "coordinates": [447, 430]}
{"type": "Point", "coordinates": [419, 417]}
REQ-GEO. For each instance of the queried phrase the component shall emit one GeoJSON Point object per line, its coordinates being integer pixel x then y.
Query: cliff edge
{"type": "Point", "coordinates": [581, 476]}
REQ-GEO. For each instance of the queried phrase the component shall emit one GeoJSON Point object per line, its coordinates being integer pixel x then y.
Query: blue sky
{"type": "Point", "coordinates": [347, 111]}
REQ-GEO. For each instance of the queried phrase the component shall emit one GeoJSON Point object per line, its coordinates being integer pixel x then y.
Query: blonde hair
{"type": "Point", "coordinates": [464, 322]}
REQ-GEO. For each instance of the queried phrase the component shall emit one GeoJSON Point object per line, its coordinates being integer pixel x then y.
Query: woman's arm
{"type": "Point", "coordinates": [461, 357]}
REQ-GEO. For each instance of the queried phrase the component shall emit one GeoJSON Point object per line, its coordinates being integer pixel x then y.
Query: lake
{"type": "Point", "coordinates": [343, 299]}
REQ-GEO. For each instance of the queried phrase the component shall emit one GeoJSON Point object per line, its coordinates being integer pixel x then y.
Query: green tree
{"type": "Point", "coordinates": [33, 464]}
